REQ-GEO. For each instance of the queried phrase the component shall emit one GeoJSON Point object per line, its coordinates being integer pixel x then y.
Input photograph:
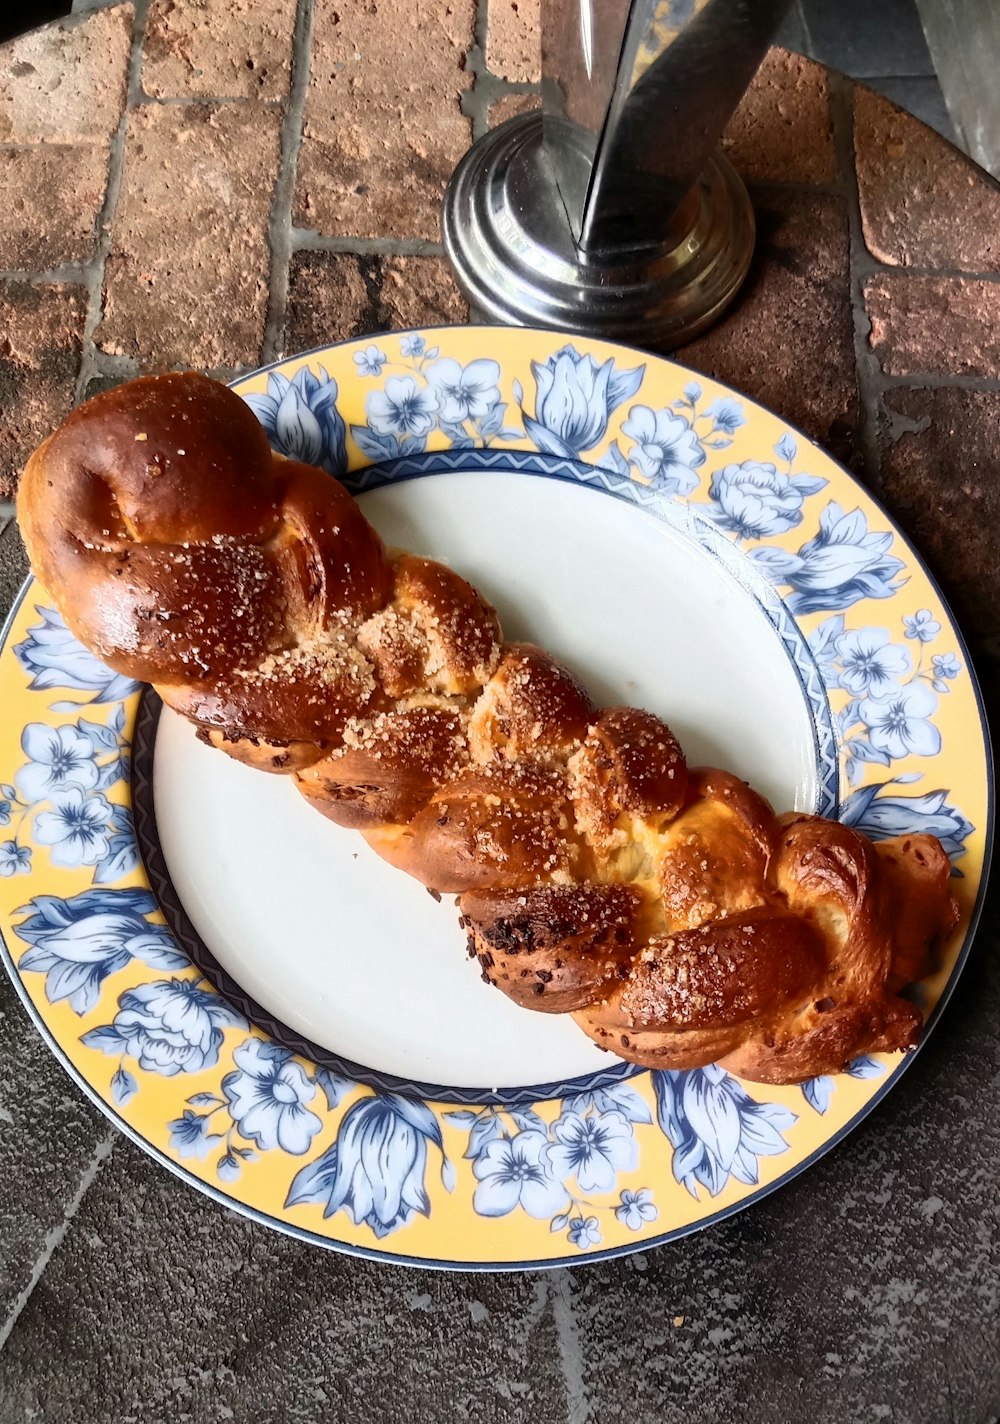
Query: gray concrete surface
{"type": "Point", "coordinates": [866, 1290]}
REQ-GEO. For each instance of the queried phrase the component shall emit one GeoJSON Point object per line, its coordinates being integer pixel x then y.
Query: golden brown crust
{"type": "Point", "coordinates": [668, 909]}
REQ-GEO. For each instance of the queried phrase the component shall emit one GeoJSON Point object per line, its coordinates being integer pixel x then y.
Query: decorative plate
{"type": "Point", "coordinates": [292, 1026]}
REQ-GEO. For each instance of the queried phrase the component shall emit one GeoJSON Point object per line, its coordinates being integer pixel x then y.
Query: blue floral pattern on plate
{"type": "Point", "coordinates": [578, 1164]}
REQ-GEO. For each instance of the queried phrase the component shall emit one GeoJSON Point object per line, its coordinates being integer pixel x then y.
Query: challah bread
{"type": "Point", "coordinates": [667, 908]}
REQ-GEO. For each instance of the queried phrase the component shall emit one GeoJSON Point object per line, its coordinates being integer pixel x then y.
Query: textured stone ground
{"type": "Point", "coordinates": [216, 182]}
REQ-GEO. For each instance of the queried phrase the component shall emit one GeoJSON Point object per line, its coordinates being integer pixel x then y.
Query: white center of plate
{"type": "Point", "coordinates": [357, 956]}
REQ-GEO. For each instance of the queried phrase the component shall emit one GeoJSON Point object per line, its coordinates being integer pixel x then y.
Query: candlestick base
{"type": "Point", "coordinates": [507, 235]}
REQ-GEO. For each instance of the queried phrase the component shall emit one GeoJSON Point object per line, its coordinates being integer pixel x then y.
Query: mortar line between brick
{"type": "Point", "coordinates": [280, 230]}
{"type": "Point", "coordinates": [54, 1238]}
{"type": "Point", "coordinates": [305, 240]}
{"type": "Point", "coordinates": [116, 165]}
{"type": "Point", "coordinates": [570, 1350]}
{"type": "Point", "coordinates": [476, 101]}
{"type": "Point", "coordinates": [866, 366]}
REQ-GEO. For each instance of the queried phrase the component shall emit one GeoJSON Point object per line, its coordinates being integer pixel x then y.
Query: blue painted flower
{"type": "Point", "coordinates": [882, 817]}
{"type": "Point", "coordinates": [594, 1149]}
{"type": "Point", "coordinates": [515, 1171]}
{"type": "Point", "coordinates": [375, 1170]}
{"type": "Point", "coordinates": [946, 668]}
{"type": "Point", "coordinates": [402, 408]}
{"type": "Point", "coordinates": [5, 809]}
{"type": "Point", "coordinates": [667, 450]}
{"type": "Point", "coordinates": [716, 1128]}
{"type": "Point", "coordinates": [302, 420]}
{"type": "Point", "coordinates": [77, 943]}
{"type": "Point", "coordinates": [754, 501]}
{"type": "Point", "coordinates": [899, 723]}
{"type": "Point", "coordinates": [870, 662]}
{"type": "Point", "coordinates": [465, 392]}
{"type": "Point", "coordinates": [636, 1208]}
{"type": "Point", "coordinates": [14, 859]}
{"type": "Point", "coordinates": [171, 1026]}
{"type": "Point", "coordinates": [575, 399]}
{"type": "Point", "coordinates": [412, 345]}
{"type": "Point", "coordinates": [189, 1134]}
{"type": "Point", "coordinates": [726, 414]}
{"type": "Point", "coordinates": [76, 829]}
{"type": "Point", "coordinates": [584, 1232]}
{"type": "Point", "coordinates": [268, 1096]}
{"type": "Point", "coordinates": [59, 757]}
{"type": "Point", "coordinates": [921, 625]}
{"type": "Point", "coordinates": [844, 563]}
{"type": "Point", "coordinates": [54, 658]}
{"type": "Point", "coordinates": [370, 361]}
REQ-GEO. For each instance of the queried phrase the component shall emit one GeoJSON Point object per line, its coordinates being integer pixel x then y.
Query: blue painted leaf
{"type": "Point", "coordinates": [865, 1067]}
{"type": "Point", "coordinates": [431, 353]}
{"type": "Point", "coordinates": [101, 737]}
{"type": "Point", "coordinates": [864, 751]}
{"type": "Point", "coordinates": [228, 1167]}
{"type": "Point", "coordinates": [8, 792]}
{"type": "Point", "coordinates": [121, 859]}
{"type": "Point", "coordinates": [527, 1120]}
{"type": "Point", "coordinates": [107, 1039]}
{"type": "Point", "coordinates": [907, 778]}
{"type": "Point", "coordinates": [518, 390]}
{"type": "Point", "coordinates": [808, 484]}
{"type": "Point", "coordinates": [459, 436]}
{"type": "Point", "coordinates": [786, 449]}
{"type": "Point", "coordinates": [334, 1086]}
{"type": "Point", "coordinates": [204, 1100]}
{"type": "Point", "coordinates": [777, 564]}
{"type": "Point", "coordinates": [375, 446]}
{"type": "Point", "coordinates": [624, 384]}
{"type": "Point", "coordinates": [314, 1183]}
{"type": "Point", "coordinates": [118, 717]}
{"type": "Point", "coordinates": [719, 443]}
{"type": "Point", "coordinates": [123, 1086]}
{"type": "Point", "coordinates": [693, 392]}
{"type": "Point", "coordinates": [464, 1118]}
{"type": "Point", "coordinates": [818, 1092]}
{"type": "Point", "coordinates": [558, 1223]}
{"type": "Point", "coordinates": [448, 1174]}
{"type": "Point", "coordinates": [509, 433]}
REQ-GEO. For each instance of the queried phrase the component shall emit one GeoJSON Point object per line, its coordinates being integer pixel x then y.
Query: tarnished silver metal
{"type": "Point", "coordinates": [612, 212]}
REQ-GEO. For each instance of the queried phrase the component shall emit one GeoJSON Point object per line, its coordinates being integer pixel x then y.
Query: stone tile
{"type": "Point", "coordinates": [788, 340]}
{"type": "Point", "coordinates": [421, 291]}
{"type": "Point", "coordinates": [860, 38]}
{"type": "Point", "coordinates": [192, 291]}
{"type": "Point", "coordinates": [66, 83]}
{"type": "Point", "coordinates": [336, 296]}
{"type": "Point", "coordinates": [161, 1305]}
{"type": "Point", "coordinates": [222, 49]}
{"type": "Point", "coordinates": [920, 95]}
{"type": "Point", "coordinates": [939, 478]}
{"type": "Point", "coordinates": [946, 325]}
{"type": "Point", "coordinates": [383, 126]}
{"type": "Point", "coordinates": [510, 106]}
{"type": "Point", "coordinates": [781, 131]}
{"type": "Point", "coordinates": [49, 1132]}
{"type": "Point", "coordinates": [53, 195]}
{"type": "Point", "coordinates": [41, 335]}
{"type": "Point", "coordinates": [514, 40]}
{"type": "Point", "coordinates": [912, 184]}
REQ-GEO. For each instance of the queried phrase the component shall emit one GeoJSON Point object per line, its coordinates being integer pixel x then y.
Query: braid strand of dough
{"type": "Point", "coordinates": [666, 907]}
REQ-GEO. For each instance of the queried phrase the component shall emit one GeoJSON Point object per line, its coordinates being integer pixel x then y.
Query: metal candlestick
{"type": "Point", "coordinates": [611, 212]}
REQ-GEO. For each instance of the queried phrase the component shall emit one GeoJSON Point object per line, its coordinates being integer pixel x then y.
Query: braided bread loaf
{"type": "Point", "coordinates": [667, 908]}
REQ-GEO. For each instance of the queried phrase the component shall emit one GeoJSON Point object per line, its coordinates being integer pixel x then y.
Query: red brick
{"type": "Point", "coordinates": [510, 106]}
{"type": "Point", "coordinates": [383, 128]}
{"type": "Point", "coordinates": [788, 340]}
{"type": "Point", "coordinates": [52, 199]}
{"type": "Point", "coordinates": [513, 40]}
{"type": "Point", "coordinates": [941, 477]}
{"type": "Point", "coordinates": [66, 83]}
{"type": "Point", "coordinates": [240, 49]}
{"type": "Point", "coordinates": [781, 132]}
{"type": "Point", "coordinates": [334, 296]}
{"type": "Point", "coordinates": [40, 344]}
{"type": "Point", "coordinates": [923, 204]}
{"type": "Point", "coordinates": [187, 275]}
{"type": "Point", "coordinates": [947, 325]}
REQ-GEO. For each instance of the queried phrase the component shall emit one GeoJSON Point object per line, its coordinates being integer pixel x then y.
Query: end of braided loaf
{"type": "Point", "coordinates": [667, 908]}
